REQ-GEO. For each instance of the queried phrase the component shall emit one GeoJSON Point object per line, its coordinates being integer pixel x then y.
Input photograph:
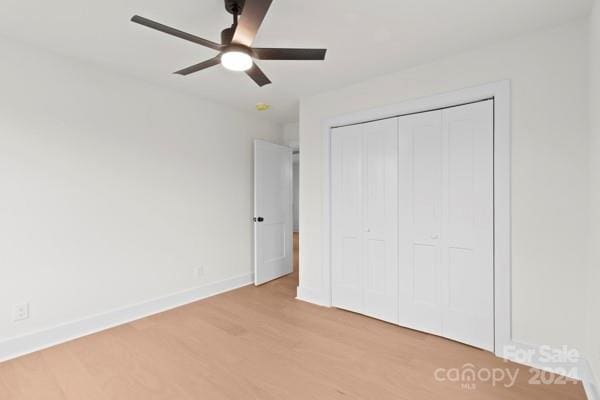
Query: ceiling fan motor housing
{"type": "Point", "coordinates": [234, 6]}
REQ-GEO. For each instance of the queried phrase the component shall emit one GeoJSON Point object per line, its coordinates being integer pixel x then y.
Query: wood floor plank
{"type": "Point", "coordinates": [29, 377]}
{"type": "Point", "coordinates": [71, 375]}
{"type": "Point", "coordinates": [261, 344]}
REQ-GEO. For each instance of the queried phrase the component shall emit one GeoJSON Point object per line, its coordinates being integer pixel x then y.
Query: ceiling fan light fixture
{"type": "Point", "coordinates": [235, 50]}
{"type": "Point", "coordinates": [236, 60]}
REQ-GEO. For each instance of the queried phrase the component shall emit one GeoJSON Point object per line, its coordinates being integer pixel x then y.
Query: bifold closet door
{"type": "Point", "coordinates": [468, 224]}
{"type": "Point", "coordinates": [412, 221]}
{"type": "Point", "coordinates": [365, 219]}
{"type": "Point", "coordinates": [347, 217]}
{"type": "Point", "coordinates": [380, 241]}
{"type": "Point", "coordinates": [420, 225]}
{"type": "Point", "coordinates": [446, 223]}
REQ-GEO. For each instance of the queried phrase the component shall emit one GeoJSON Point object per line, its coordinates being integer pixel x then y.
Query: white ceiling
{"type": "Point", "coordinates": [364, 38]}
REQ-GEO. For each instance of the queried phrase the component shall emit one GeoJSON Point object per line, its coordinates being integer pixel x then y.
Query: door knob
{"type": "Point", "coordinates": [258, 219]}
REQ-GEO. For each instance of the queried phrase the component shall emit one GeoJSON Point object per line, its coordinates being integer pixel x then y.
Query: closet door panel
{"type": "Point", "coordinates": [381, 219]}
{"type": "Point", "coordinates": [420, 196]}
{"type": "Point", "coordinates": [347, 217]}
{"type": "Point", "coordinates": [467, 238]}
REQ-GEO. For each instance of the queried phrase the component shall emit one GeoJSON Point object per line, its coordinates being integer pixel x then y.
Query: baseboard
{"type": "Point", "coordinates": [591, 391]}
{"type": "Point", "coordinates": [311, 296]}
{"type": "Point", "coordinates": [21, 345]}
{"type": "Point", "coordinates": [579, 370]}
{"type": "Point", "coordinates": [590, 383]}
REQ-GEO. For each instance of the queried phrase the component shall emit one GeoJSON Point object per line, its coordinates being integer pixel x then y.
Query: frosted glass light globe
{"type": "Point", "coordinates": [236, 61]}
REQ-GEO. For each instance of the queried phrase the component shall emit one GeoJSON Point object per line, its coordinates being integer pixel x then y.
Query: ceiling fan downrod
{"type": "Point", "coordinates": [235, 8]}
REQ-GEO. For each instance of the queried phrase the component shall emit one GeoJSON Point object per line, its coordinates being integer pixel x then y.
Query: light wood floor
{"type": "Point", "coordinates": [259, 343]}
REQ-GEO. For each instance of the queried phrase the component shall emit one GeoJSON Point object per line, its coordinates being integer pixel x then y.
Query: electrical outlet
{"type": "Point", "coordinates": [199, 272]}
{"type": "Point", "coordinates": [21, 312]}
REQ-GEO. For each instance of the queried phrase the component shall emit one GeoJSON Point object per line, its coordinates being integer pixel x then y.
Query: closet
{"type": "Point", "coordinates": [412, 221]}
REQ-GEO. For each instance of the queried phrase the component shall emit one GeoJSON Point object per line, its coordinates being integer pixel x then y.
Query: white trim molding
{"type": "Point", "coordinates": [500, 93]}
{"type": "Point", "coordinates": [21, 345]}
{"type": "Point", "coordinates": [590, 383]}
{"type": "Point", "coordinates": [312, 296]}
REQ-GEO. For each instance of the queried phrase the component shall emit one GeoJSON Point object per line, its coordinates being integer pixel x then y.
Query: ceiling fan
{"type": "Point", "coordinates": [235, 51]}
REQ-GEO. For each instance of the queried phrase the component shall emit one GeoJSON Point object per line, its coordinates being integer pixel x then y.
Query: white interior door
{"type": "Point", "coordinates": [347, 217]}
{"type": "Point", "coordinates": [380, 242]}
{"type": "Point", "coordinates": [446, 223]}
{"type": "Point", "coordinates": [468, 224]}
{"type": "Point", "coordinates": [420, 206]}
{"type": "Point", "coordinates": [273, 180]}
{"type": "Point", "coordinates": [364, 212]}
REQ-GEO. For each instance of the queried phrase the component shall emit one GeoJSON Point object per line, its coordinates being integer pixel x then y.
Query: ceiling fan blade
{"type": "Point", "coordinates": [290, 54]}
{"type": "Point", "coordinates": [200, 66]}
{"type": "Point", "coordinates": [175, 32]}
{"type": "Point", "coordinates": [258, 76]}
{"type": "Point", "coordinates": [252, 16]}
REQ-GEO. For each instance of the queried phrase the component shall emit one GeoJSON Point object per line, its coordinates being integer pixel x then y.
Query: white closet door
{"type": "Point", "coordinates": [347, 217]}
{"type": "Point", "coordinates": [380, 247]}
{"type": "Point", "coordinates": [467, 237]}
{"type": "Point", "coordinates": [412, 221]}
{"type": "Point", "coordinates": [364, 219]}
{"type": "Point", "coordinates": [446, 223]}
{"type": "Point", "coordinates": [420, 203]}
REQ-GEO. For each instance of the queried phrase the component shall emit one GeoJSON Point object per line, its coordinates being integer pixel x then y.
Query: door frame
{"type": "Point", "coordinates": [499, 92]}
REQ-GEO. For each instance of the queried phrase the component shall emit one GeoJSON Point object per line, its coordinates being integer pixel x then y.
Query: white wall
{"type": "Point", "coordinates": [549, 74]}
{"type": "Point", "coordinates": [113, 190]}
{"type": "Point", "coordinates": [594, 242]}
{"type": "Point", "coordinates": [291, 134]}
